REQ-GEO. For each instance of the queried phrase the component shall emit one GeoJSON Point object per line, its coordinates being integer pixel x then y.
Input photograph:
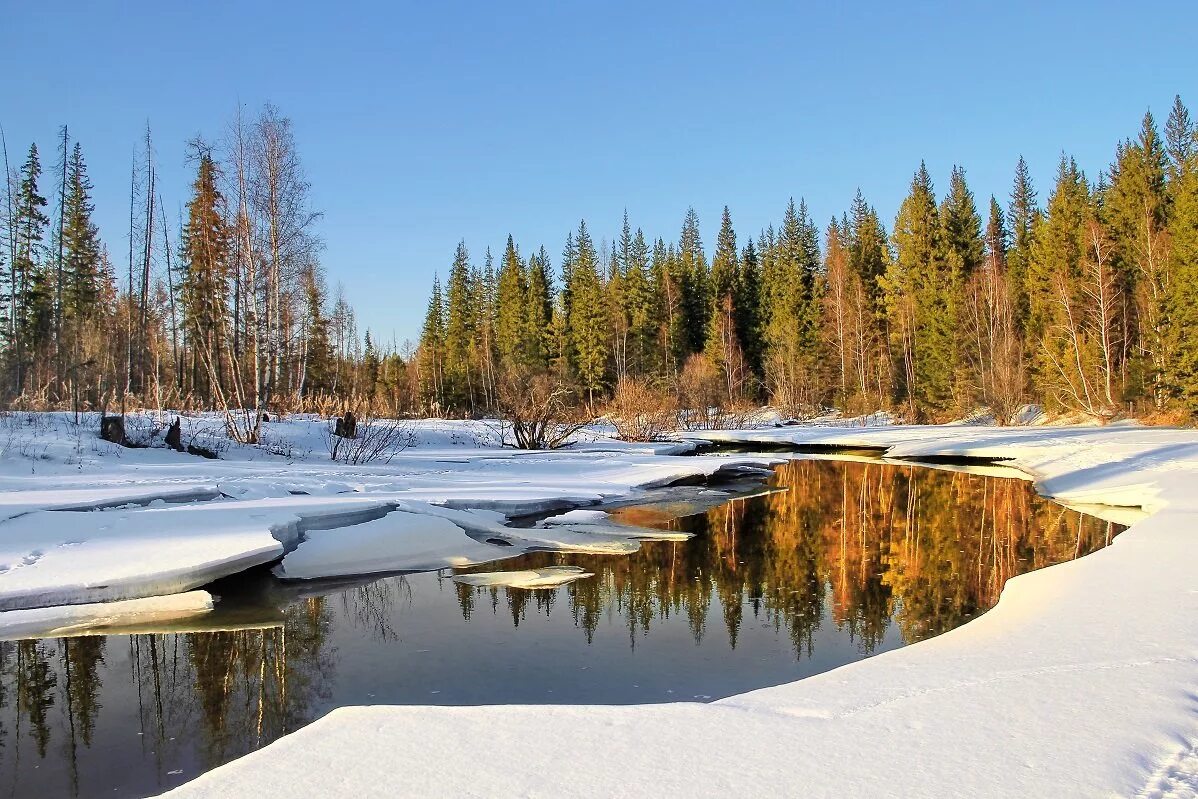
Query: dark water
{"type": "Point", "coordinates": [851, 560]}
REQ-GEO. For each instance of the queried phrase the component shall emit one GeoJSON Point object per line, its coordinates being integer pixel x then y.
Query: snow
{"type": "Point", "coordinates": [103, 617]}
{"type": "Point", "coordinates": [399, 541]}
{"type": "Point", "coordinates": [1079, 683]}
{"type": "Point", "coordinates": [548, 577]}
{"type": "Point", "coordinates": [85, 521]}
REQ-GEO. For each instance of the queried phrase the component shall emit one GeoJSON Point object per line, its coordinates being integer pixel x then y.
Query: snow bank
{"type": "Point", "coordinates": [1079, 683]}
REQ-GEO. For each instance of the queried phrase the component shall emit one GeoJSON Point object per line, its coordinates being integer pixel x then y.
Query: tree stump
{"type": "Point", "coordinates": [112, 428]}
{"type": "Point", "coordinates": [346, 426]}
{"type": "Point", "coordinates": [174, 435]}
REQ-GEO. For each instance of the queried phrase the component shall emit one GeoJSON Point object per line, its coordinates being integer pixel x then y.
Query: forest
{"type": "Point", "coordinates": [1084, 303]}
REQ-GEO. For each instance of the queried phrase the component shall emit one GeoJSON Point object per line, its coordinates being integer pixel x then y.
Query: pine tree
{"type": "Point", "coordinates": [1182, 298]}
{"type": "Point", "coordinates": [588, 319]}
{"type": "Point", "coordinates": [460, 374]}
{"type": "Point", "coordinates": [511, 308]}
{"type": "Point", "coordinates": [1135, 207]}
{"type": "Point", "coordinates": [319, 366]}
{"type": "Point", "coordinates": [962, 253]}
{"type": "Point", "coordinates": [748, 312]}
{"type": "Point", "coordinates": [919, 302]}
{"type": "Point", "coordinates": [538, 317]}
{"type": "Point", "coordinates": [32, 299]}
{"type": "Point", "coordinates": [723, 346]}
{"type": "Point", "coordinates": [205, 253]}
{"type": "Point", "coordinates": [692, 272]}
{"type": "Point", "coordinates": [1022, 214]}
{"type": "Point", "coordinates": [431, 356]}
{"type": "Point", "coordinates": [83, 276]}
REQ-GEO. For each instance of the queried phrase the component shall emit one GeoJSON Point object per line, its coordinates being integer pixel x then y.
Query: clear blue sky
{"type": "Point", "coordinates": [421, 124]}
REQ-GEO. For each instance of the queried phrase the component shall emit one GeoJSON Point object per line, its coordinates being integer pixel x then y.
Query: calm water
{"type": "Point", "coordinates": [852, 559]}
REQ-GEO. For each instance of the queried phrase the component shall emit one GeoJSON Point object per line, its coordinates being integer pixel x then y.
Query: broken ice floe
{"type": "Point", "coordinates": [548, 577]}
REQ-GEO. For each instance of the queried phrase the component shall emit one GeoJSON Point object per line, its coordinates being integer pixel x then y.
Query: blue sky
{"type": "Point", "coordinates": [421, 124]}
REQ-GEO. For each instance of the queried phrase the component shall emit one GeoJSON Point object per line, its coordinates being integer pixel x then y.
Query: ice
{"type": "Point", "coordinates": [399, 541]}
{"type": "Point", "coordinates": [548, 577]}
{"type": "Point", "coordinates": [578, 517]}
{"type": "Point", "coordinates": [102, 617]}
{"type": "Point", "coordinates": [78, 557]}
{"type": "Point", "coordinates": [1078, 683]}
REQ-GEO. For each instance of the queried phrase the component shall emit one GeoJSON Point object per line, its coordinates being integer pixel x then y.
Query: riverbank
{"type": "Point", "coordinates": [1079, 683]}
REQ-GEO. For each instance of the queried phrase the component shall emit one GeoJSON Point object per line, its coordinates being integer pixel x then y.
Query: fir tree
{"type": "Point", "coordinates": [31, 294]}
{"type": "Point", "coordinates": [919, 302]}
{"type": "Point", "coordinates": [81, 246]}
{"type": "Point", "coordinates": [1022, 214]}
{"type": "Point", "coordinates": [460, 374]}
{"type": "Point", "coordinates": [205, 252]}
{"type": "Point", "coordinates": [538, 316]}
{"type": "Point", "coordinates": [1182, 298]}
{"type": "Point", "coordinates": [432, 348]}
{"type": "Point", "coordinates": [511, 307]}
{"type": "Point", "coordinates": [1135, 207]}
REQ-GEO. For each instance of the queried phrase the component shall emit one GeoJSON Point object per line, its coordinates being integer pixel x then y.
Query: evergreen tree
{"type": "Point", "coordinates": [1182, 298]}
{"type": "Point", "coordinates": [748, 312]}
{"type": "Point", "coordinates": [1135, 207]}
{"type": "Point", "coordinates": [511, 308]}
{"type": "Point", "coordinates": [461, 376]}
{"type": "Point", "coordinates": [30, 289]}
{"type": "Point", "coordinates": [1022, 215]}
{"type": "Point", "coordinates": [919, 303]}
{"type": "Point", "coordinates": [962, 254]}
{"type": "Point", "coordinates": [723, 346]}
{"type": "Point", "coordinates": [81, 246]}
{"type": "Point", "coordinates": [588, 319]}
{"type": "Point", "coordinates": [432, 348]}
{"type": "Point", "coordinates": [692, 275]}
{"type": "Point", "coordinates": [538, 316]}
{"type": "Point", "coordinates": [319, 365]}
{"type": "Point", "coordinates": [205, 252]}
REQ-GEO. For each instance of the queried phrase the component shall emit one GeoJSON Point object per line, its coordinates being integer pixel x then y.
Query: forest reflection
{"type": "Point", "coordinates": [875, 554]}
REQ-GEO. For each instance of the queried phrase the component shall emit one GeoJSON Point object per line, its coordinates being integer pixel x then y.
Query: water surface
{"type": "Point", "coordinates": [845, 560]}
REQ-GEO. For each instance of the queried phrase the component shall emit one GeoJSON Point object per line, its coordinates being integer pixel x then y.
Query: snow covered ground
{"type": "Point", "coordinates": [1083, 681]}
{"type": "Point", "coordinates": [83, 521]}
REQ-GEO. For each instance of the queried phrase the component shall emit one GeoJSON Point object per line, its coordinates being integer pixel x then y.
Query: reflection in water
{"type": "Point", "coordinates": [849, 560]}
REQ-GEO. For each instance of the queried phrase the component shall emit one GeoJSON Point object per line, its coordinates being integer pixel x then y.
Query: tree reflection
{"type": "Point", "coordinates": [857, 545]}
{"type": "Point", "coordinates": [872, 551]}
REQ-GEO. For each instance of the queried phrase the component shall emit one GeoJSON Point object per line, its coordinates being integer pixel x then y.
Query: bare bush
{"type": "Point", "coordinates": [537, 411]}
{"type": "Point", "coordinates": [703, 399]}
{"type": "Point", "coordinates": [375, 440]}
{"type": "Point", "coordinates": [640, 412]}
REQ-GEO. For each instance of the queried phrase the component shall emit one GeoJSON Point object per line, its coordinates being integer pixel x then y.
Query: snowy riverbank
{"type": "Point", "coordinates": [1080, 682]}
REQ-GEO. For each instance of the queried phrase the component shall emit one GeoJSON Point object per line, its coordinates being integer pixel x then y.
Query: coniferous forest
{"type": "Point", "coordinates": [1081, 296]}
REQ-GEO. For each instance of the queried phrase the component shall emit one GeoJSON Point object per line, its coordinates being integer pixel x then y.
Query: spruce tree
{"type": "Point", "coordinates": [723, 346]}
{"type": "Point", "coordinates": [205, 252]}
{"type": "Point", "coordinates": [1135, 208]}
{"type": "Point", "coordinates": [1182, 297]}
{"type": "Point", "coordinates": [511, 308]}
{"type": "Point", "coordinates": [588, 317]}
{"type": "Point", "coordinates": [461, 378]}
{"type": "Point", "coordinates": [538, 318]}
{"type": "Point", "coordinates": [81, 246]}
{"type": "Point", "coordinates": [1022, 214]}
{"type": "Point", "coordinates": [31, 294]}
{"type": "Point", "coordinates": [431, 357]}
{"type": "Point", "coordinates": [693, 277]}
{"type": "Point", "coordinates": [919, 302]}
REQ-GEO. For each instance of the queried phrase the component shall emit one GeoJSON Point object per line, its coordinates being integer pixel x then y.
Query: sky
{"type": "Point", "coordinates": [422, 124]}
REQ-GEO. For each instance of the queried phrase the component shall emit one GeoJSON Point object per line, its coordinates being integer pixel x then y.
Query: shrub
{"type": "Point", "coordinates": [640, 412]}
